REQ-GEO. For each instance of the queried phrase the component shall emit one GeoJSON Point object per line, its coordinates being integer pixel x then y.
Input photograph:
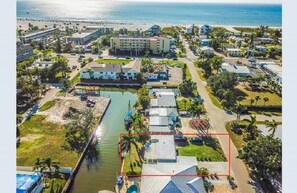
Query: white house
{"type": "Point", "coordinates": [205, 29]}
{"type": "Point", "coordinates": [207, 50]}
{"type": "Point", "coordinates": [163, 100]}
{"type": "Point", "coordinates": [274, 70]}
{"type": "Point", "coordinates": [205, 42]}
{"type": "Point", "coordinates": [240, 71]}
{"type": "Point", "coordinates": [190, 30]}
{"type": "Point", "coordinates": [233, 52]}
{"type": "Point", "coordinates": [111, 71]}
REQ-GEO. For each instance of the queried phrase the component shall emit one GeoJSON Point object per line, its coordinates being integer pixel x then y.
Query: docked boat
{"type": "Point", "coordinates": [120, 180]}
{"type": "Point", "coordinates": [128, 116]}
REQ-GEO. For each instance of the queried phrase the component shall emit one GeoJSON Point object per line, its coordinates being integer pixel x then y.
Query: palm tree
{"type": "Point", "coordinates": [257, 98]}
{"type": "Point", "coordinates": [273, 126]}
{"type": "Point", "coordinates": [126, 145]}
{"type": "Point", "coordinates": [39, 166]}
{"type": "Point", "coordinates": [185, 103]}
{"type": "Point", "coordinates": [216, 63]}
{"type": "Point", "coordinates": [195, 109]}
{"type": "Point", "coordinates": [238, 109]}
{"type": "Point", "coordinates": [265, 100]}
{"type": "Point", "coordinates": [50, 163]}
{"type": "Point", "coordinates": [251, 128]}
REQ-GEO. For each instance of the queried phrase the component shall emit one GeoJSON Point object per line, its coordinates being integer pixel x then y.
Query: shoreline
{"type": "Point", "coordinates": [117, 25]}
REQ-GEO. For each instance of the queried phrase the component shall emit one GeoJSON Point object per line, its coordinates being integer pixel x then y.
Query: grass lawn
{"type": "Point", "coordinates": [41, 138]}
{"type": "Point", "coordinates": [214, 99]}
{"type": "Point", "coordinates": [47, 105]}
{"type": "Point", "coordinates": [54, 185]}
{"type": "Point", "coordinates": [136, 166]}
{"type": "Point", "coordinates": [274, 99]}
{"type": "Point", "coordinates": [236, 139]}
{"type": "Point", "coordinates": [75, 79]}
{"type": "Point", "coordinates": [202, 152]}
{"type": "Point", "coordinates": [168, 30]}
{"type": "Point", "coordinates": [181, 105]}
{"type": "Point", "coordinates": [200, 74]}
{"type": "Point", "coordinates": [113, 61]}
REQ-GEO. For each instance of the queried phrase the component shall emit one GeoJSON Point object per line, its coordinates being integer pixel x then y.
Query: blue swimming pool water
{"type": "Point", "coordinates": [132, 189]}
{"type": "Point", "coordinates": [25, 181]}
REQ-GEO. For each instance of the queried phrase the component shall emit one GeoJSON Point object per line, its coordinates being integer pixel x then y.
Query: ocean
{"type": "Point", "coordinates": [152, 12]}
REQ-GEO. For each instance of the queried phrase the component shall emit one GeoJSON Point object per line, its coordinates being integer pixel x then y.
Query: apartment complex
{"type": "Point", "coordinates": [141, 44]}
{"type": "Point", "coordinates": [85, 36]}
{"type": "Point", "coordinates": [24, 52]}
{"type": "Point", "coordinates": [39, 35]}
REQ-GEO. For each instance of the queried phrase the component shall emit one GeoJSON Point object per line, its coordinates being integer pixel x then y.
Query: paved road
{"type": "Point", "coordinates": [218, 119]}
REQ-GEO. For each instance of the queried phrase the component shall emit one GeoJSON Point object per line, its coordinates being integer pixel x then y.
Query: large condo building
{"type": "Point", "coordinates": [24, 51]}
{"type": "Point", "coordinates": [85, 36]}
{"type": "Point", "coordinates": [128, 43]}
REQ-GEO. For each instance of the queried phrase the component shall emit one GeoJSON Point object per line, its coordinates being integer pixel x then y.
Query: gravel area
{"type": "Point", "coordinates": [55, 114]}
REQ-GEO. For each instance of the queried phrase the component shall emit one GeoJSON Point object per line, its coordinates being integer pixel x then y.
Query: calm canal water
{"type": "Point", "coordinates": [102, 174]}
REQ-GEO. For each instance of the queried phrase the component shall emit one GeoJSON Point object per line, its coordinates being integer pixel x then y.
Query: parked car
{"type": "Point", "coordinates": [127, 57]}
{"type": "Point", "coordinates": [83, 97]}
{"type": "Point", "coordinates": [196, 139]}
{"type": "Point", "coordinates": [74, 66]}
{"type": "Point", "coordinates": [180, 138]}
{"type": "Point", "coordinates": [100, 57]}
{"type": "Point", "coordinates": [73, 54]}
{"type": "Point", "coordinates": [174, 58]}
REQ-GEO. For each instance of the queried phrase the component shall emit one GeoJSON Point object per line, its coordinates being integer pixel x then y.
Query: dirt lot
{"type": "Point", "coordinates": [55, 114]}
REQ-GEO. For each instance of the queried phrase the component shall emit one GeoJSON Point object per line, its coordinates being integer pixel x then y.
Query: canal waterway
{"type": "Point", "coordinates": [101, 175]}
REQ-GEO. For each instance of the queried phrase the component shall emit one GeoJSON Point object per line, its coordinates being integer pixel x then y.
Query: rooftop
{"type": "Point", "coordinates": [25, 180]}
{"type": "Point", "coordinates": [173, 182]}
{"type": "Point", "coordinates": [160, 120]}
{"type": "Point", "coordinates": [162, 148]}
{"type": "Point", "coordinates": [235, 68]}
{"type": "Point", "coordinates": [163, 111]}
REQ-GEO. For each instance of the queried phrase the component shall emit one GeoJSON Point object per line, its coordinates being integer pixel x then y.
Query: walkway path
{"type": "Point", "coordinates": [218, 119]}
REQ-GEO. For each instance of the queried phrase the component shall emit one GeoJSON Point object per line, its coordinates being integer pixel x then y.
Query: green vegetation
{"type": "Point", "coordinates": [75, 79]}
{"type": "Point", "coordinates": [41, 138]}
{"type": "Point", "coordinates": [269, 164]}
{"type": "Point", "coordinates": [54, 185]}
{"type": "Point", "coordinates": [183, 104]}
{"type": "Point", "coordinates": [188, 88]}
{"type": "Point", "coordinates": [223, 87]}
{"type": "Point", "coordinates": [202, 151]}
{"type": "Point", "coordinates": [213, 99]}
{"type": "Point", "coordinates": [273, 99]}
{"type": "Point", "coordinates": [236, 138]}
{"type": "Point", "coordinates": [201, 75]}
{"type": "Point", "coordinates": [113, 61]}
{"type": "Point", "coordinates": [47, 105]}
{"type": "Point", "coordinates": [143, 97]}
{"type": "Point", "coordinates": [133, 161]}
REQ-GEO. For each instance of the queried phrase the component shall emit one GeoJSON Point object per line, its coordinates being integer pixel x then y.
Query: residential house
{"type": "Point", "coordinates": [24, 51]}
{"type": "Point", "coordinates": [233, 52]}
{"type": "Point", "coordinates": [160, 124]}
{"type": "Point", "coordinates": [274, 70]}
{"type": "Point", "coordinates": [154, 30]}
{"type": "Point", "coordinates": [164, 112]}
{"type": "Point", "coordinates": [160, 73]}
{"type": "Point", "coordinates": [29, 182]}
{"type": "Point", "coordinates": [160, 149]}
{"type": "Point", "coordinates": [41, 64]}
{"type": "Point", "coordinates": [240, 71]}
{"type": "Point", "coordinates": [163, 100]}
{"type": "Point", "coordinates": [205, 42]}
{"type": "Point", "coordinates": [111, 71]}
{"type": "Point", "coordinates": [174, 177]}
{"type": "Point", "coordinates": [205, 29]}
{"type": "Point", "coordinates": [261, 49]}
{"type": "Point", "coordinates": [206, 50]}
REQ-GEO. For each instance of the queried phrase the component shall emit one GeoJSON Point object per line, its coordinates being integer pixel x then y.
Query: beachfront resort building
{"type": "Point", "coordinates": [205, 29]}
{"type": "Point", "coordinates": [39, 35]}
{"type": "Point", "coordinates": [24, 51]}
{"type": "Point", "coordinates": [240, 71]}
{"type": "Point", "coordinates": [156, 44]}
{"type": "Point", "coordinates": [87, 35]}
{"type": "Point", "coordinates": [97, 71]}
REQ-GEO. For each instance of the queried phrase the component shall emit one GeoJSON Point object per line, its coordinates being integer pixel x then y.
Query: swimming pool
{"type": "Point", "coordinates": [28, 182]}
{"type": "Point", "coordinates": [132, 189]}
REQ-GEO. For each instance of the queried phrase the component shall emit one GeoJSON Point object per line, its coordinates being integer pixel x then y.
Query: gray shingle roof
{"type": "Point", "coordinates": [164, 99]}
{"type": "Point", "coordinates": [175, 183]}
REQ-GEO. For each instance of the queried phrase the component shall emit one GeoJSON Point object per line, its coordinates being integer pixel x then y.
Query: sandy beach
{"type": "Point", "coordinates": [22, 23]}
